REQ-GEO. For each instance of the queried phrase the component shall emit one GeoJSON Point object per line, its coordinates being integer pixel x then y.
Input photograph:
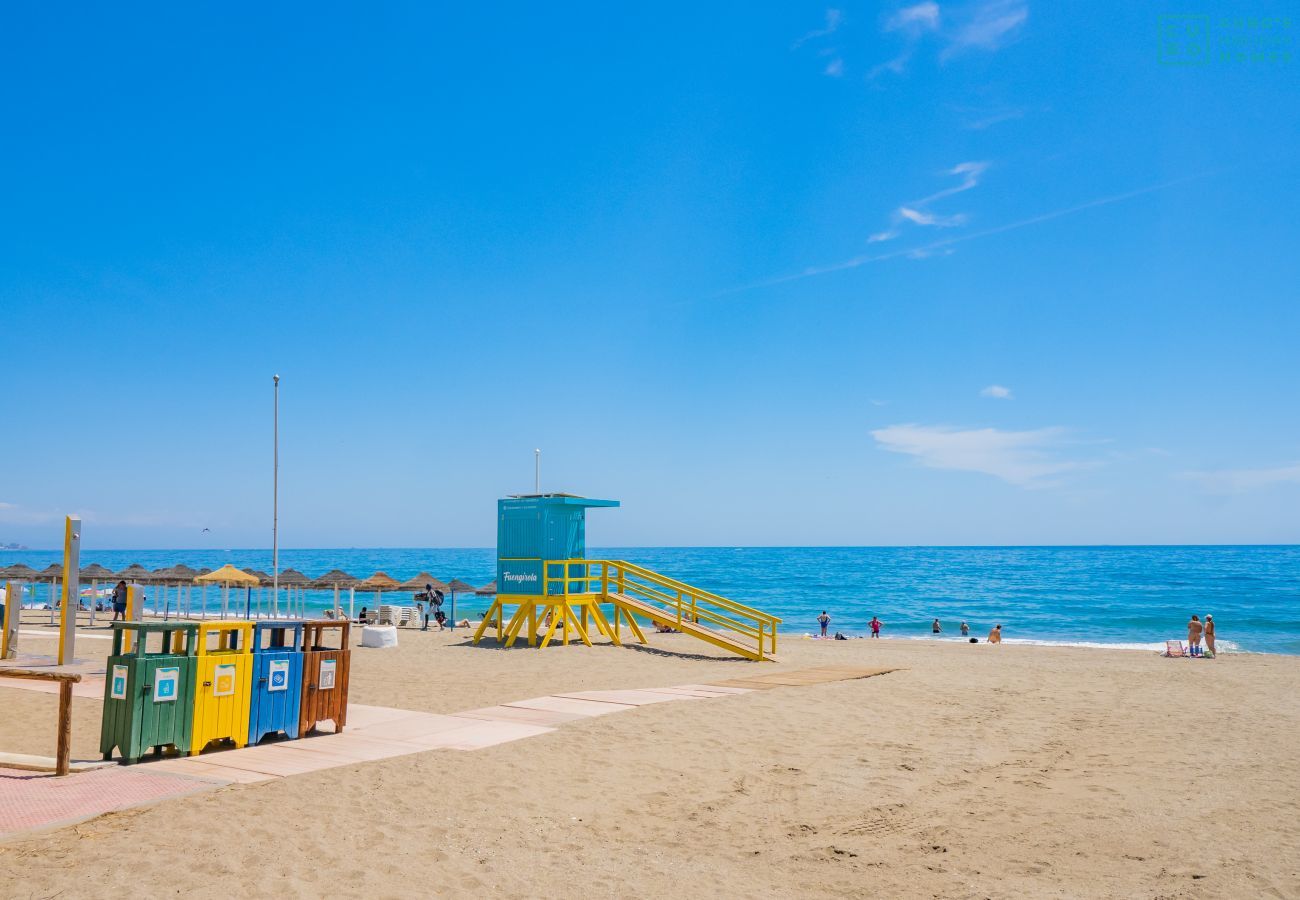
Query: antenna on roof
{"type": "Point", "coordinates": [537, 471]}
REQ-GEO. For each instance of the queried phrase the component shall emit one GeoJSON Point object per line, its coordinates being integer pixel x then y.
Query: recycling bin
{"type": "Point", "coordinates": [277, 680]}
{"type": "Point", "coordinates": [149, 691]}
{"type": "Point", "coordinates": [325, 670]}
{"type": "Point", "coordinates": [222, 681]}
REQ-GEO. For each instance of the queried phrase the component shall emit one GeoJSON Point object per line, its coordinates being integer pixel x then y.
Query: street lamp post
{"type": "Point", "coordinates": [537, 471]}
{"type": "Point", "coordinates": [275, 507]}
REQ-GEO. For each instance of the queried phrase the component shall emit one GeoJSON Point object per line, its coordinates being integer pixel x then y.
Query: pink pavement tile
{"type": "Point", "coordinates": [366, 749]}
{"type": "Point", "coordinates": [416, 726]}
{"type": "Point", "coordinates": [485, 734]}
{"type": "Point", "coordinates": [361, 716]}
{"type": "Point", "coordinates": [30, 800]}
{"type": "Point", "coordinates": [699, 693]}
{"type": "Point", "coordinates": [628, 698]}
{"type": "Point", "coordinates": [718, 688]}
{"type": "Point", "coordinates": [519, 714]}
{"type": "Point", "coordinates": [570, 705]}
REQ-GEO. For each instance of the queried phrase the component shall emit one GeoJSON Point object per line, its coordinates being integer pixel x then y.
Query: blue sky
{"type": "Point", "coordinates": [979, 273]}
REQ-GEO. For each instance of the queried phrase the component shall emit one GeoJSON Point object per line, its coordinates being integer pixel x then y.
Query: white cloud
{"type": "Point", "coordinates": [921, 17]}
{"type": "Point", "coordinates": [988, 26]}
{"type": "Point", "coordinates": [834, 68]}
{"type": "Point", "coordinates": [918, 217]}
{"type": "Point", "coordinates": [997, 392]}
{"type": "Point", "coordinates": [1024, 458]}
{"type": "Point", "coordinates": [834, 18]}
{"type": "Point", "coordinates": [1239, 481]}
{"type": "Point", "coordinates": [882, 236]}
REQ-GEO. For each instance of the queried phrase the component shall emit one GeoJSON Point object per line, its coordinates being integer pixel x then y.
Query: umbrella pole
{"type": "Point", "coordinates": [352, 603]}
{"type": "Point", "coordinates": [203, 596]}
{"type": "Point", "coordinates": [336, 600]}
{"type": "Point", "coordinates": [225, 598]}
{"type": "Point", "coordinates": [94, 598]}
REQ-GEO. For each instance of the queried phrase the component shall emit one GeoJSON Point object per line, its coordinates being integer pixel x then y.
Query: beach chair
{"type": "Point", "coordinates": [1174, 649]}
{"type": "Point", "coordinates": [370, 618]}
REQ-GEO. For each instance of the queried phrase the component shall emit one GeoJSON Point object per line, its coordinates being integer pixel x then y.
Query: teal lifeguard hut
{"type": "Point", "coordinates": [543, 571]}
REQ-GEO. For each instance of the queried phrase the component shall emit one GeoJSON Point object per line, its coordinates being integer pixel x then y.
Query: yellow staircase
{"type": "Point", "coordinates": [636, 591]}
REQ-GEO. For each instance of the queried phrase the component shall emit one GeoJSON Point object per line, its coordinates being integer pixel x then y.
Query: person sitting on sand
{"type": "Point", "coordinates": [995, 636]}
{"type": "Point", "coordinates": [1209, 634]}
{"type": "Point", "coordinates": [361, 616]}
{"type": "Point", "coordinates": [935, 628]}
{"type": "Point", "coordinates": [875, 627]}
{"type": "Point", "coordinates": [824, 621]}
{"type": "Point", "coordinates": [1194, 631]}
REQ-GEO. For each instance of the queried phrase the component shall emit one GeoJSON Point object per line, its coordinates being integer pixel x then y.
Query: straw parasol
{"type": "Point", "coordinates": [135, 572]}
{"type": "Point", "coordinates": [419, 581]}
{"type": "Point", "coordinates": [96, 572]}
{"type": "Point", "coordinates": [52, 572]}
{"type": "Point", "coordinates": [228, 574]}
{"type": "Point", "coordinates": [378, 582]}
{"type": "Point", "coordinates": [293, 578]}
{"type": "Point", "coordinates": [461, 587]}
{"type": "Point", "coordinates": [487, 590]}
{"type": "Point", "coordinates": [263, 577]}
{"type": "Point", "coordinates": [334, 578]}
{"type": "Point", "coordinates": [20, 572]}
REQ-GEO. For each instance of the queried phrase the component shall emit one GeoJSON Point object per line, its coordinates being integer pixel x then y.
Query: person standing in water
{"type": "Point", "coordinates": [1209, 634]}
{"type": "Point", "coordinates": [875, 627]}
{"type": "Point", "coordinates": [1194, 631]}
{"type": "Point", "coordinates": [935, 627]}
{"type": "Point", "coordinates": [965, 629]}
{"type": "Point", "coordinates": [995, 636]}
{"type": "Point", "coordinates": [824, 621]}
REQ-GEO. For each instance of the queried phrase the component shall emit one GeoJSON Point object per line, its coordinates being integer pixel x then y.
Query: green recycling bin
{"type": "Point", "coordinates": [149, 689]}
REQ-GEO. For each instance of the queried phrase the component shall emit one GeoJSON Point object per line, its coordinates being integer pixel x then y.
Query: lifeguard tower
{"type": "Point", "coordinates": [543, 572]}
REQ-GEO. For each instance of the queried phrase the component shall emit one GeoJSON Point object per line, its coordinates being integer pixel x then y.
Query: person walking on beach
{"type": "Point", "coordinates": [995, 636]}
{"type": "Point", "coordinates": [439, 616]}
{"type": "Point", "coordinates": [824, 621]}
{"type": "Point", "coordinates": [1194, 631]}
{"type": "Point", "coordinates": [119, 601]}
{"type": "Point", "coordinates": [875, 627]}
{"type": "Point", "coordinates": [426, 607]}
{"type": "Point", "coordinates": [965, 629]}
{"type": "Point", "coordinates": [935, 628]}
{"type": "Point", "coordinates": [1209, 634]}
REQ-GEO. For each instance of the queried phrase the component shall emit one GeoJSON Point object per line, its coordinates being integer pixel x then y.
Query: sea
{"type": "Point", "coordinates": [1126, 597]}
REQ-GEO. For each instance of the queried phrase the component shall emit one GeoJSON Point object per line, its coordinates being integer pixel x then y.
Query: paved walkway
{"type": "Point", "coordinates": [31, 801]}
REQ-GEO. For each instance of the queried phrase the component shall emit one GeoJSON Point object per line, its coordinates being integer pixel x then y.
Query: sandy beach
{"type": "Point", "coordinates": [972, 771]}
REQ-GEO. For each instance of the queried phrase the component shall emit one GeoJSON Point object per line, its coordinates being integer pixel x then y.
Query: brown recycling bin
{"type": "Point", "coordinates": [325, 671]}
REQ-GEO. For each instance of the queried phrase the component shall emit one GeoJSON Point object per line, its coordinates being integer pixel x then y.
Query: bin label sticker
{"type": "Point", "coordinates": [279, 680]}
{"type": "Point", "coordinates": [165, 681]}
{"type": "Point", "coordinates": [223, 681]}
{"type": "Point", "coordinates": [118, 691]}
{"type": "Point", "coordinates": [327, 670]}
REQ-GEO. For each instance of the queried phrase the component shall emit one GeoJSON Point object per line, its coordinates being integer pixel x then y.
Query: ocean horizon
{"type": "Point", "coordinates": [1124, 596]}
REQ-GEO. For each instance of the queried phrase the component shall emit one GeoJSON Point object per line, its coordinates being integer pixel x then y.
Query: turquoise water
{"type": "Point", "coordinates": [1125, 596]}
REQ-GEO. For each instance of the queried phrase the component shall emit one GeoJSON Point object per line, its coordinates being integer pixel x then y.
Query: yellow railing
{"type": "Point", "coordinates": [684, 604]}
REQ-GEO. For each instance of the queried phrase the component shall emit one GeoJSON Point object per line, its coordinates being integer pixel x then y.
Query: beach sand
{"type": "Point", "coordinates": [974, 771]}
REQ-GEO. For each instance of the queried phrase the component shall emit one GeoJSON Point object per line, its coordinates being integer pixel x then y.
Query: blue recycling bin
{"type": "Point", "coordinates": [277, 680]}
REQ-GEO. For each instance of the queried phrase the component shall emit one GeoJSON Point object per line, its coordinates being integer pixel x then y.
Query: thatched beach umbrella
{"type": "Point", "coordinates": [419, 581]}
{"type": "Point", "coordinates": [454, 587]}
{"type": "Point", "coordinates": [135, 573]}
{"type": "Point", "coordinates": [294, 581]}
{"type": "Point", "coordinates": [95, 573]}
{"type": "Point", "coordinates": [487, 590]}
{"type": "Point", "coordinates": [226, 576]}
{"type": "Point", "coordinates": [378, 582]}
{"type": "Point", "coordinates": [51, 573]}
{"type": "Point", "coordinates": [21, 572]}
{"type": "Point", "coordinates": [336, 579]}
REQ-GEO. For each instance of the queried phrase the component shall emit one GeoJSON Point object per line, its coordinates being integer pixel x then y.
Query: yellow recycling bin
{"type": "Point", "coordinates": [222, 684]}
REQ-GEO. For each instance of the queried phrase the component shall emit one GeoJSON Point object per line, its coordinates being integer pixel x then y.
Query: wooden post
{"type": "Point", "coordinates": [63, 762]}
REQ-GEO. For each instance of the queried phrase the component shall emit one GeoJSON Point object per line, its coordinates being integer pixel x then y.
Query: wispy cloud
{"type": "Point", "coordinates": [914, 211]}
{"type": "Point", "coordinates": [997, 392]}
{"type": "Point", "coordinates": [834, 18]}
{"type": "Point", "coordinates": [1028, 459]}
{"type": "Point", "coordinates": [978, 119]}
{"type": "Point", "coordinates": [1240, 481]}
{"type": "Point", "coordinates": [834, 68]}
{"type": "Point", "coordinates": [988, 26]}
{"type": "Point", "coordinates": [867, 258]}
{"type": "Point", "coordinates": [915, 19]}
